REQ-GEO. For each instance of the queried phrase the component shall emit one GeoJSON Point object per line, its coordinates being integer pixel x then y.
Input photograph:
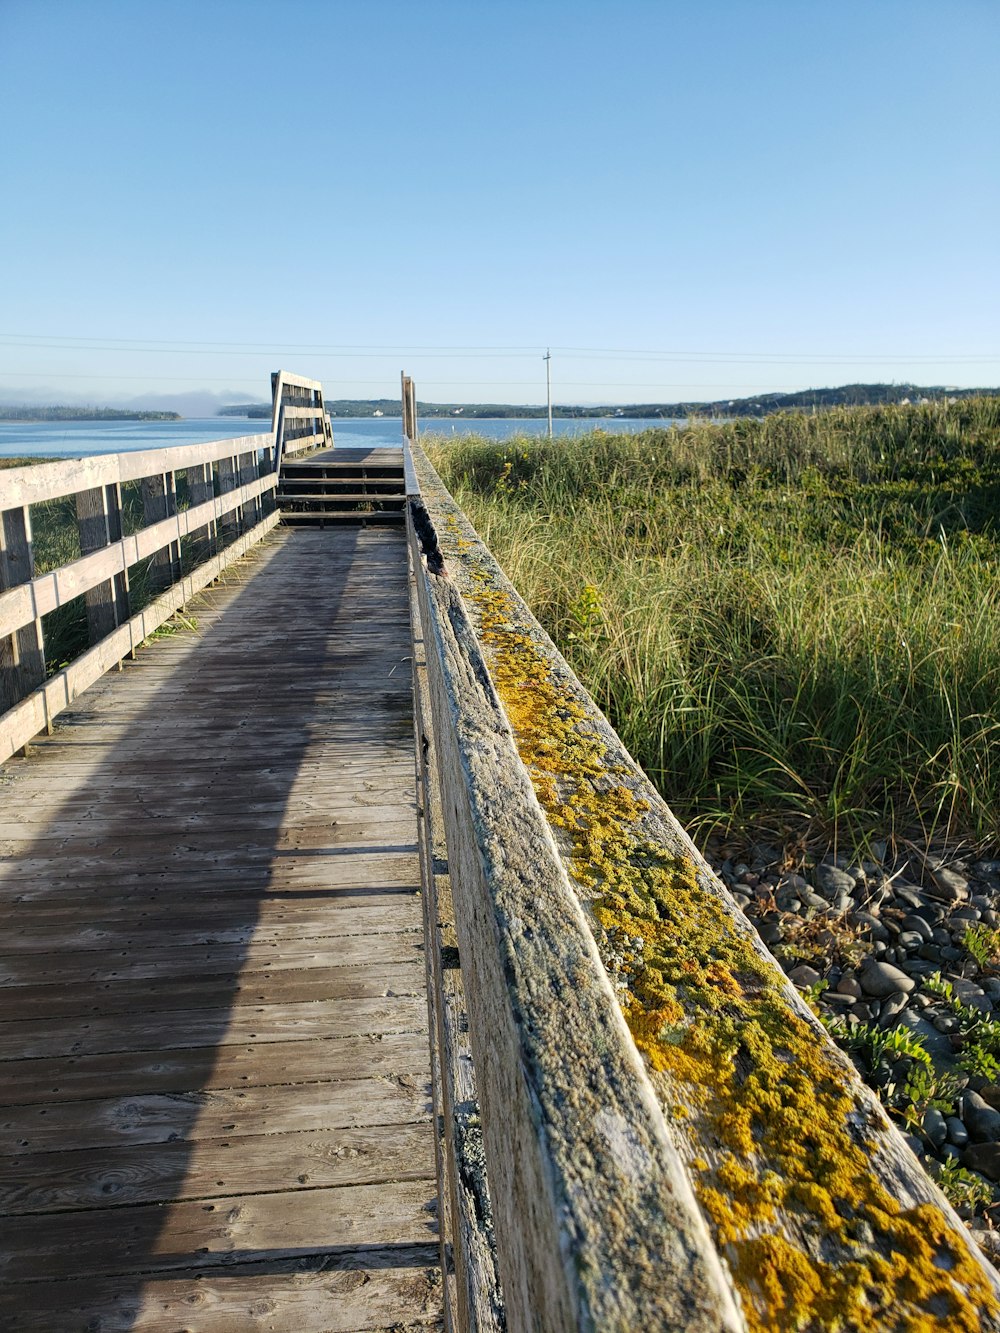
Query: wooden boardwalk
{"type": "Point", "coordinates": [214, 1067]}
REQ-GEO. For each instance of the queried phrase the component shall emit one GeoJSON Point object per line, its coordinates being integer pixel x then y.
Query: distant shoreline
{"type": "Point", "coordinates": [14, 415]}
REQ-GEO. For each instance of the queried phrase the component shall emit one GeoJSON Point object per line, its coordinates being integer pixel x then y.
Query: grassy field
{"type": "Point", "coordinates": [794, 622]}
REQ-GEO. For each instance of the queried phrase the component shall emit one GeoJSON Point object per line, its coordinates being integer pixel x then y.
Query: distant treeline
{"type": "Point", "coordinates": [82, 414]}
{"type": "Point", "coordinates": [847, 395]}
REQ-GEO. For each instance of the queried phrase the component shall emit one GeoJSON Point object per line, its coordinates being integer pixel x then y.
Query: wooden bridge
{"type": "Point", "coordinates": [354, 978]}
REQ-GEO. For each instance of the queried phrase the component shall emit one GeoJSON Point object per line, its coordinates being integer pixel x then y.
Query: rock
{"type": "Point", "coordinates": [892, 1006]}
{"type": "Point", "coordinates": [878, 850]}
{"type": "Point", "coordinates": [794, 882]}
{"type": "Point", "coordinates": [914, 1144]}
{"type": "Point", "coordinates": [839, 1001]}
{"type": "Point", "coordinates": [971, 994]}
{"type": "Point", "coordinates": [849, 986]}
{"type": "Point", "coordinates": [950, 955]}
{"type": "Point", "coordinates": [830, 881]}
{"type": "Point", "coordinates": [909, 894]}
{"type": "Point", "coordinates": [842, 902]}
{"type": "Point", "coordinates": [867, 922]}
{"type": "Point", "coordinates": [945, 1022]}
{"type": "Point", "coordinates": [881, 979]}
{"type": "Point", "coordinates": [936, 1043]}
{"type": "Point", "coordinates": [984, 1158]}
{"type": "Point", "coordinates": [948, 885]}
{"type": "Point", "coordinates": [987, 867]}
{"type": "Point", "coordinates": [770, 932]}
{"type": "Point", "coordinates": [991, 985]}
{"type": "Point", "coordinates": [990, 1093]}
{"type": "Point", "coordinates": [935, 1127]}
{"type": "Point", "coordinates": [932, 952]}
{"type": "Point", "coordinates": [918, 967]}
{"type": "Point", "coordinates": [980, 1119]}
{"type": "Point", "coordinates": [910, 940]}
{"type": "Point", "coordinates": [804, 976]}
{"type": "Point", "coordinates": [957, 1133]}
{"type": "Point", "coordinates": [918, 924]}
{"type": "Point", "coordinates": [813, 900]}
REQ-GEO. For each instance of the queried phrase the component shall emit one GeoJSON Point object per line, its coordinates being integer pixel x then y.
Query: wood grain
{"type": "Point", "coordinates": [214, 1062]}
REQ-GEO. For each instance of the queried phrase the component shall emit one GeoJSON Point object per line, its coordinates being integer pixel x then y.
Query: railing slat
{"type": "Point", "coordinates": [22, 653]}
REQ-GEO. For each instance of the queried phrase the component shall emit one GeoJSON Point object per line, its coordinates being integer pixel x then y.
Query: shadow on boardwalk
{"type": "Point", "coordinates": [211, 972]}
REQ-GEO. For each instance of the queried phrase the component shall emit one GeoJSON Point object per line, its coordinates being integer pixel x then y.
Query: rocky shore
{"type": "Point", "coordinates": [900, 956]}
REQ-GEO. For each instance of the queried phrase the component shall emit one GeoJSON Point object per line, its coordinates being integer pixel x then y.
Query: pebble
{"type": "Point", "coordinates": [935, 1127]}
{"type": "Point", "coordinates": [945, 1022]}
{"type": "Point", "coordinates": [957, 1133]}
{"type": "Point", "coordinates": [830, 881]}
{"type": "Point", "coordinates": [937, 1044]}
{"type": "Point", "coordinates": [980, 1119]}
{"type": "Point", "coordinates": [804, 976]}
{"type": "Point", "coordinates": [770, 932]}
{"type": "Point", "coordinates": [948, 885]}
{"type": "Point", "coordinates": [914, 1144]}
{"type": "Point", "coordinates": [892, 1006]}
{"type": "Point", "coordinates": [984, 1158]}
{"type": "Point", "coordinates": [918, 925]}
{"type": "Point", "coordinates": [849, 986]}
{"type": "Point", "coordinates": [881, 979]}
{"type": "Point", "coordinates": [869, 923]}
{"type": "Point", "coordinates": [910, 940]}
{"type": "Point", "coordinates": [991, 985]}
{"type": "Point", "coordinates": [971, 994]}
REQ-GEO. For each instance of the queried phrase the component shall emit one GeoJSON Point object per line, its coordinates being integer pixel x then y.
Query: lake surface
{"type": "Point", "coordinates": [77, 439]}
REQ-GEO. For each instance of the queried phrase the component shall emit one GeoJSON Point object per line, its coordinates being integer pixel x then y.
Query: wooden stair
{"type": "Point", "coordinates": [334, 491]}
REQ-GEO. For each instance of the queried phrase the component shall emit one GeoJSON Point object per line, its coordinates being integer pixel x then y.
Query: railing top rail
{"type": "Point", "coordinates": [299, 381]}
{"type": "Point", "coordinates": [52, 481]}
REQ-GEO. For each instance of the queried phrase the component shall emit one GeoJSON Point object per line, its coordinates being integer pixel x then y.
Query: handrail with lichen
{"type": "Point", "coordinates": [820, 1214]}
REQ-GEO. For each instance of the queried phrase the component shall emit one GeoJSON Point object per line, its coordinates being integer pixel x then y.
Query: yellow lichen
{"type": "Point", "coordinates": [707, 1012]}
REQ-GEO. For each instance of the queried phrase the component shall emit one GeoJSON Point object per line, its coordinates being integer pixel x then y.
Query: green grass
{"type": "Point", "coordinates": [793, 622]}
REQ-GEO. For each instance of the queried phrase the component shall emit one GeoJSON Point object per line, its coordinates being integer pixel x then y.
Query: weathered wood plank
{"type": "Point", "coordinates": [192, 1236]}
{"type": "Point", "coordinates": [224, 1026]}
{"type": "Point", "coordinates": [210, 1168]}
{"type": "Point", "coordinates": [175, 1069]}
{"type": "Point", "coordinates": [397, 1289]}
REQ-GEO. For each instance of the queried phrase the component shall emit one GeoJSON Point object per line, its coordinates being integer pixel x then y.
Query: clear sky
{"type": "Point", "coordinates": [685, 199]}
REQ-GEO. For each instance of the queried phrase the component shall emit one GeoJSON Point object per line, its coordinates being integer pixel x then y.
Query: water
{"type": "Point", "coordinates": [77, 439]}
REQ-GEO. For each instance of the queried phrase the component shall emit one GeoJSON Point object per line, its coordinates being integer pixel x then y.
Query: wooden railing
{"type": "Point", "coordinates": [199, 507]}
{"type": "Point", "coordinates": [712, 1163]}
{"type": "Point", "coordinates": [299, 418]}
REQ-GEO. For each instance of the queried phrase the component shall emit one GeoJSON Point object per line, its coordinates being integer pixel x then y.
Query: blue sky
{"type": "Point", "coordinates": [684, 200]}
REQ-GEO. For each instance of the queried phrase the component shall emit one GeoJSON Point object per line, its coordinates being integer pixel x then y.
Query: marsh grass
{"type": "Point", "coordinates": [793, 622]}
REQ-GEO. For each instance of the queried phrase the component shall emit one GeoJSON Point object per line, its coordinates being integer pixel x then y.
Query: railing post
{"type": "Point", "coordinates": [159, 501]}
{"type": "Point", "coordinates": [99, 522]}
{"type": "Point", "coordinates": [22, 654]}
{"type": "Point", "coordinates": [200, 490]}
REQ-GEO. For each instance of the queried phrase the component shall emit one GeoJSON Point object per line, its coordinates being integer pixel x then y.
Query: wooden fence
{"type": "Point", "coordinates": [299, 418]}
{"type": "Point", "coordinates": [198, 508]}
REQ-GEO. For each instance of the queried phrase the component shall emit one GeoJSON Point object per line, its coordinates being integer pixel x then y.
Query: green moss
{"type": "Point", "coordinates": [764, 1092]}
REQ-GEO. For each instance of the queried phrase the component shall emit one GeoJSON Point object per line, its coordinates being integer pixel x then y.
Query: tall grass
{"type": "Point", "coordinates": [794, 622]}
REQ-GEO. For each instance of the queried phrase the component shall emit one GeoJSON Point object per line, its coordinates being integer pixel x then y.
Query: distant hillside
{"type": "Point", "coordinates": [852, 395]}
{"type": "Point", "coordinates": [82, 414]}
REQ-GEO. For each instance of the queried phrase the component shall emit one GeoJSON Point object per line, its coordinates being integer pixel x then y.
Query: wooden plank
{"type": "Point", "coordinates": [179, 1069]}
{"type": "Point", "coordinates": [221, 1114]}
{"type": "Point", "coordinates": [209, 1168]}
{"type": "Point", "coordinates": [192, 1236]}
{"type": "Point", "coordinates": [193, 991]}
{"type": "Point", "coordinates": [94, 524]}
{"type": "Point", "coordinates": [348, 1292]}
{"type": "Point", "coordinates": [224, 1026]}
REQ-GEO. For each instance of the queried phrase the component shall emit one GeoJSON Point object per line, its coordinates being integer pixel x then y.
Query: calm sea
{"type": "Point", "coordinates": [76, 439]}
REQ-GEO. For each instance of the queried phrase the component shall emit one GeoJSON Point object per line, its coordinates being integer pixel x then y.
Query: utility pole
{"type": "Point", "coordinates": [547, 358]}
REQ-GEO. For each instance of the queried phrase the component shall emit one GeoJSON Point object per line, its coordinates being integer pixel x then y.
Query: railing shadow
{"type": "Point", "coordinates": [131, 914]}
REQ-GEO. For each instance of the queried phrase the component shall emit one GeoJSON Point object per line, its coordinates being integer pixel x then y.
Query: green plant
{"type": "Point", "coordinates": [977, 1062]}
{"type": "Point", "coordinates": [983, 943]}
{"type": "Point", "coordinates": [964, 1190]}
